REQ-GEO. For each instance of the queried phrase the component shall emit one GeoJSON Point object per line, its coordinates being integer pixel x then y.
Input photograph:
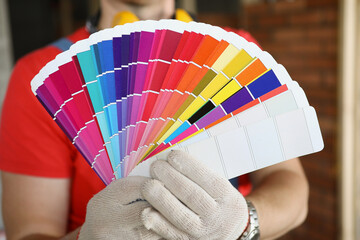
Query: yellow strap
{"type": "Point", "coordinates": [124, 17]}
{"type": "Point", "coordinates": [182, 15]}
{"type": "Point", "coordinates": [128, 17]}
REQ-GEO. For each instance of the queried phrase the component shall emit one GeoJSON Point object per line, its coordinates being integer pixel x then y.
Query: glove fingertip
{"type": "Point", "coordinates": [155, 166]}
{"type": "Point", "coordinates": [150, 188]}
{"type": "Point", "coordinates": [175, 157]}
{"type": "Point", "coordinates": [176, 154]}
{"type": "Point", "coordinates": [146, 218]}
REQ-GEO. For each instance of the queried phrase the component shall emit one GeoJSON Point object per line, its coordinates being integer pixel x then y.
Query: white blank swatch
{"type": "Point", "coordinates": [254, 146]}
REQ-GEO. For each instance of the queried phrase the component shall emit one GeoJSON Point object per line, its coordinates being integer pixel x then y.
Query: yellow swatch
{"type": "Point", "coordinates": [238, 63]}
{"type": "Point", "coordinates": [227, 91]}
{"type": "Point", "coordinates": [194, 106]}
{"type": "Point", "coordinates": [228, 54]}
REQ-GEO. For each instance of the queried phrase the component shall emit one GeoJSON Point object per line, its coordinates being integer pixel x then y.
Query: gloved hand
{"type": "Point", "coordinates": [189, 201]}
{"type": "Point", "coordinates": [115, 212]}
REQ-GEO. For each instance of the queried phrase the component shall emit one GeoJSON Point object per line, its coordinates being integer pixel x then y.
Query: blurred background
{"type": "Point", "coordinates": [316, 40]}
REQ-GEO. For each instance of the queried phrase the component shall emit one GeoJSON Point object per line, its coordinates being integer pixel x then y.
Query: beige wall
{"type": "Point", "coordinates": [349, 112]}
{"type": "Point", "coordinates": [5, 49]}
{"type": "Point", "coordinates": [5, 60]}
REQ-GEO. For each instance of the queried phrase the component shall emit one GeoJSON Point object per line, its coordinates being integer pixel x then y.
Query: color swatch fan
{"type": "Point", "coordinates": [127, 95]}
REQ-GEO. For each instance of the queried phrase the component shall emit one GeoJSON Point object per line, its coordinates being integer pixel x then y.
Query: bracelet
{"type": "Point", "coordinates": [252, 232]}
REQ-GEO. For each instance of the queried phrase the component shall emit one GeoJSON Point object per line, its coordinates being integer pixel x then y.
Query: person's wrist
{"type": "Point", "coordinates": [252, 231]}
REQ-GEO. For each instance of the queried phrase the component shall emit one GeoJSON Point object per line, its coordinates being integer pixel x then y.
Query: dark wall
{"type": "Point", "coordinates": [302, 35]}
{"type": "Point", "coordinates": [37, 23]}
{"type": "Point", "coordinates": [33, 24]}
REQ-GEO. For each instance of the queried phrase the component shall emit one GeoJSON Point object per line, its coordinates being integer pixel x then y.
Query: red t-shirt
{"type": "Point", "coordinates": [32, 144]}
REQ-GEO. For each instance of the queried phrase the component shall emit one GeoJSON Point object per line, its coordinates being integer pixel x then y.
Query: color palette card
{"type": "Point", "coordinates": [260, 135]}
{"type": "Point", "coordinates": [128, 95]}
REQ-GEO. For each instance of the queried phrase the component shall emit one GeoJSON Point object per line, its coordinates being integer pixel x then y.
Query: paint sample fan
{"type": "Point", "coordinates": [127, 95]}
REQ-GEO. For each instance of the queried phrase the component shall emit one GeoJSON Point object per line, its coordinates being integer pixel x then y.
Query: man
{"type": "Point", "coordinates": [47, 184]}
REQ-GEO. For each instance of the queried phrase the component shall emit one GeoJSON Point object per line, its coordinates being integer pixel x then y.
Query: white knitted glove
{"type": "Point", "coordinates": [192, 202]}
{"type": "Point", "coordinates": [115, 212]}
